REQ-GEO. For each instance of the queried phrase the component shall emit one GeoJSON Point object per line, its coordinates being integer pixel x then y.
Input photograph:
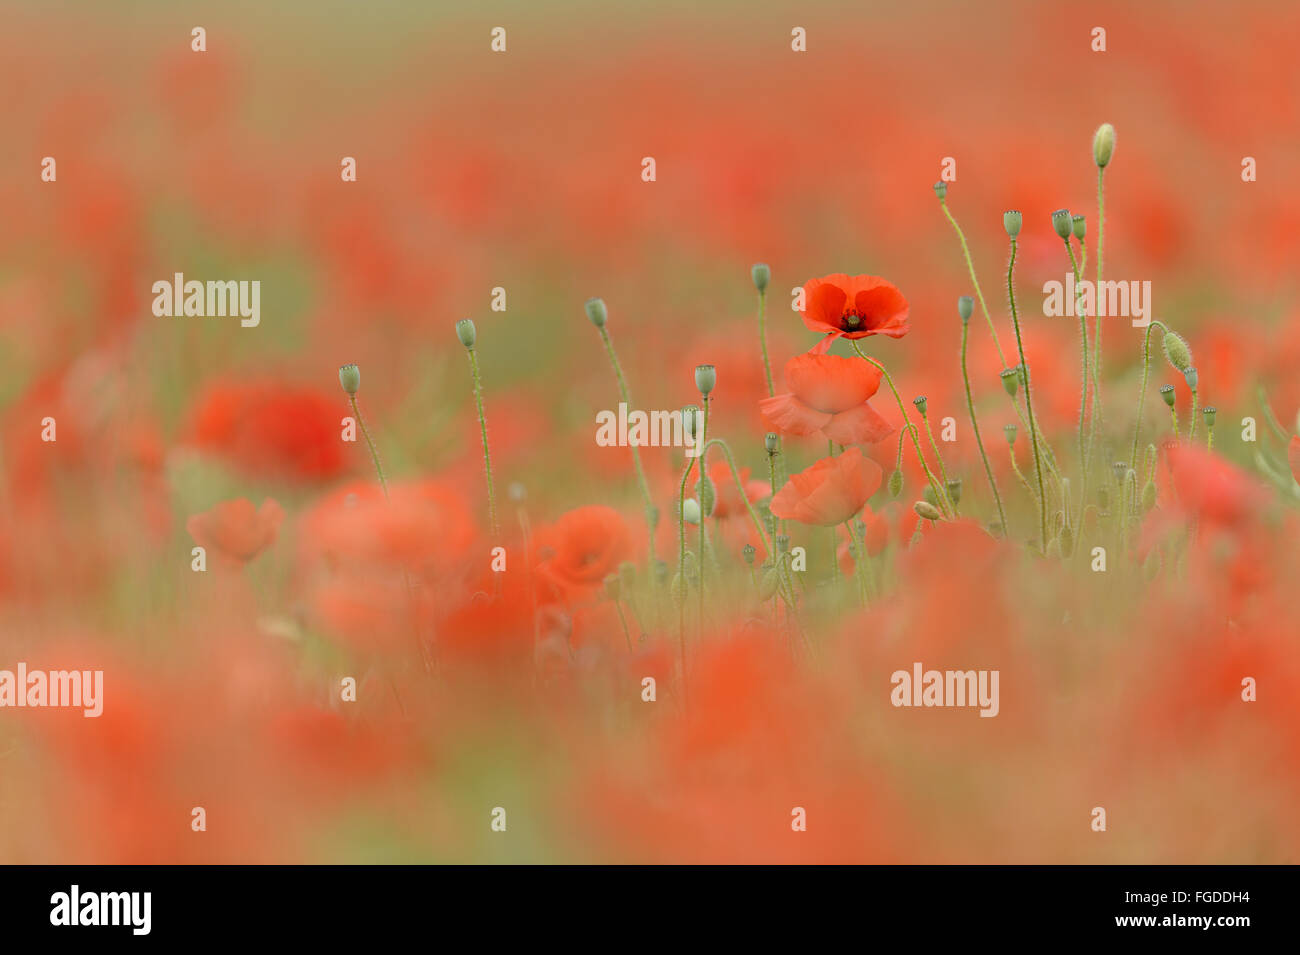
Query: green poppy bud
{"type": "Point", "coordinates": [749, 552]}
{"type": "Point", "coordinates": [1103, 145]}
{"type": "Point", "coordinates": [771, 442]}
{"type": "Point", "coordinates": [691, 511]}
{"type": "Point", "coordinates": [920, 403]}
{"type": "Point", "coordinates": [1177, 351]}
{"type": "Point", "coordinates": [1191, 378]}
{"type": "Point", "coordinates": [895, 483]}
{"type": "Point", "coordinates": [1012, 220]}
{"type": "Point", "coordinates": [1080, 226]}
{"type": "Point", "coordinates": [954, 490]}
{"type": "Point", "coordinates": [1010, 381]}
{"type": "Point", "coordinates": [1010, 431]}
{"type": "Point", "coordinates": [1167, 393]}
{"type": "Point", "coordinates": [350, 378]}
{"type": "Point", "coordinates": [926, 510]}
{"type": "Point", "coordinates": [941, 190]}
{"type": "Point", "coordinates": [965, 307]}
{"type": "Point", "coordinates": [761, 275]}
{"type": "Point", "coordinates": [1062, 223]}
{"type": "Point", "coordinates": [596, 311]}
{"type": "Point", "coordinates": [466, 332]}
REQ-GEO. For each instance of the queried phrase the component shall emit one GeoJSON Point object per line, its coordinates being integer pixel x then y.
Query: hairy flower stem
{"type": "Point", "coordinates": [1029, 400]}
{"type": "Point", "coordinates": [1084, 450]}
{"type": "Point", "coordinates": [1191, 423]}
{"type": "Point", "coordinates": [627, 637]}
{"type": "Point", "coordinates": [487, 455]}
{"type": "Point", "coordinates": [762, 340]}
{"type": "Point", "coordinates": [970, 267]}
{"type": "Point", "coordinates": [975, 425]}
{"type": "Point", "coordinates": [374, 453]}
{"type": "Point", "coordinates": [704, 479]}
{"type": "Point", "coordinates": [651, 516]}
{"type": "Point", "coordinates": [1033, 496]}
{"type": "Point", "coordinates": [681, 567]}
{"type": "Point", "coordinates": [1142, 394]}
{"type": "Point", "coordinates": [941, 492]}
{"type": "Point", "coordinates": [943, 471]}
{"type": "Point", "coordinates": [1096, 338]}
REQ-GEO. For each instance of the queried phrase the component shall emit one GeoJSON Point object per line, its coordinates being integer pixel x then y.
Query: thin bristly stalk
{"type": "Point", "coordinates": [970, 267]}
{"type": "Point", "coordinates": [975, 425]}
{"type": "Point", "coordinates": [1083, 390]}
{"type": "Point", "coordinates": [1029, 401]}
{"type": "Point", "coordinates": [681, 565]}
{"type": "Point", "coordinates": [374, 452]}
{"type": "Point", "coordinates": [1142, 394]}
{"type": "Point", "coordinates": [1096, 338]}
{"type": "Point", "coordinates": [704, 482]}
{"type": "Point", "coordinates": [650, 515]}
{"type": "Point", "coordinates": [940, 491]}
{"type": "Point", "coordinates": [762, 340]}
{"type": "Point", "coordinates": [487, 455]}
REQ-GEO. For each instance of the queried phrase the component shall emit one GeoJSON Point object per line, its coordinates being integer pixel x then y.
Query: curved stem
{"type": "Point", "coordinates": [1146, 374]}
{"type": "Point", "coordinates": [487, 455]}
{"type": "Point", "coordinates": [975, 425]}
{"type": "Point", "coordinates": [970, 267]}
{"type": "Point", "coordinates": [1029, 401]}
{"type": "Point", "coordinates": [650, 515]}
{"type": "Point", "coordinates": [374, 453]}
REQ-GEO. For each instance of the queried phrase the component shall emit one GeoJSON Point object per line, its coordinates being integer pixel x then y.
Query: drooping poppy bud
{"type": "Point", "coordinates": [926, 510]}
{"type": "Point", "coordinates": [1177, 351]}
{"type": "Point", "coordinates": [895, 483]}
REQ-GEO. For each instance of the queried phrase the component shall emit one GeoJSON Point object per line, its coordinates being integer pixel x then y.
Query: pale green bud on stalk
{"type": "Point", "coordinates": [927, 511]}
{"type": "Point", "coordinates": [1080, 226]}
{"type": "Point", "coordinates": [350, 378]}
{"type": "Point", "coordinates": [1010, 381]}
{"type": "Point", "coordinates": [691, 511]}
{"type": "Point", "coordinates": [1103, 145]}
{"type": "Point", "coordinates": [596, 312]}
{"type": "Point", "coordinates": [965, 308]}
{"type": "Point", "coordinates": [954, 490]}
{"type": "Point", "coordinates": [1062, 223]}
{"type": "Point", "coordinates": [466, 332]}
{"type": "Point", "coordinates": [706, 377]}
{"type": "Point", "coordinates": [895, 483]}
{"type": "Point", "coordinates": [1149, 495]}
{"type": "Point", "coordinates": [1012, 221]}
{"type": "Point", "coordinates": [1177, 351]}
{"type": "Point", "coordinates": [761, 275]}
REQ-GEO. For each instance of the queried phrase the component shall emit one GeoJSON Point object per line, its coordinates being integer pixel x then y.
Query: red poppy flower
{"type": "Point", "coordinates": [234, 531]}
{"type": "Point", "coordinates": [828, 394]}
{"type": "Point", "coordinates": [585, 545]}
{"type": "Point", "coordinates": [829, 492]}
{"type": "Point", "coordinates": [1211, 488]}
{"type": "Point", "coordinates": [855, 306]}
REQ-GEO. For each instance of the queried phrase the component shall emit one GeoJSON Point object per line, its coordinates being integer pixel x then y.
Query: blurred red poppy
{"type": "Point", "coordinates": [583, 547]}
{"type": "Point", "coordinates": [828, 394]}
{"type": "Point", "coordinates": [234, 532]}
{"type": "Point", "coordinates": [829, 492]}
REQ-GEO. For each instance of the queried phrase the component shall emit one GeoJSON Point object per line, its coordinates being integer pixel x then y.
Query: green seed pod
{"type": "Point", "coordinates": [596, 311]}
{"type": "Point", "coordinates": [1079, 225]}
{"type": "Point", "coordinates": [466, 332]}
{"type": "Point", "coordinates": [1012, 221]}
{"type": "Point", "coordinates": [1062, 223]}
{"type": "Point", "coordinates": [954, 490]}
{"type": "Point", "coordinates": [350, 378]}
{"type": "Point", "coordinates": [928, 511]}
{"type": "Point", "coordinates": [706, 376]}
{"type": "Point", "coordinates": [965, 307]}
{"type": "Point", "coordinates": [1209, 411]}
{"type": "Point", "coordinates": [782, 543]}
{"type": "Point", "coordinates": [1177, 351]}
{"type": "Point", "coordinates": [929, 495]}
{"type": "Point", "coordinates": [1010, 381]}
{"type": "Point", "coordinates": [771, 442]}
{"type": "Point", "coordinates": [1010, 431]}
{"type": "Point", "coordinates": [761, 275]}
{"type": "Point", "coordinates": [1120, 468]}
{"type": "Point", "coordinates": [1103, 145]}
{"type": "Point", "coordinates": [1167, 393]}
{"type": "Point", "coordinates": [1191, 378]}
{"type": "Point", "coordinates": [941, 190]}
{"type": "Point", "coordinates": [895, 483]}
{"type": "Point", "coordinates": [691, 420]}
{"type": "Point", "coordinates": [920, 403]}
{"type": "Point", "coordinates": [749, 552]}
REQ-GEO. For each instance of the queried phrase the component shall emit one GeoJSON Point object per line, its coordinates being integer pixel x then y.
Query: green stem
{"type": "Point", "coordinates": [374, 453]}
{"type": "Point", "coordinates": [487, 456]}
{"type": "Point", "coordinates": [970, 267]}
{"type": "Point", "coordinates": [762, 339]}
{"type": "Point", "coordinates": [1146, 374]}
{"type": "Point", "coordinates": [651, 517]}
{"type": "Point", "coordinates": [1191, 423]}
{"type": "Point", "coordinates": [1029, 401]}
{"type": "Point", "coordinates": [975, 425]}
{"type": "Point", "coordinates": [1083, 392]}
{"type": "Point", "coordinates": [704, 480]}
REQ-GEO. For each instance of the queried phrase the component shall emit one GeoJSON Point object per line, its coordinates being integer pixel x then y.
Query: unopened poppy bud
{"type": "Point", "coordinates": [920, 403]}
{"type": "Point", "coordinates": [1149, 495]}
{"type": "Point", "coordinates": [929, 495]}
{"type": "Point", "coordinates": [954, 490]}
{"type": "Point", "coordinates": [749, 552]}
{"type": "Point", "coordinates": [466, 332]}
{"type": "Point", "coordinates": [1103, 145]}
{"type": "Point", "coordinates": [782, 543]}
{"type": "Point", "coordinates": [1010, 381]}
{"type": "Point", "coordinates": [762, 275]}
{"type": "Point", "coordinates": [350, 378]}
{"type": "Point", "coordinates": [706, 376]}
{"type": "Point", "coordinates": [691, 511]}
{"type": "Point", "coordinates": [596, 311]}
{"type": "Point", "coordinates": [1012, 220]}
{"type": "Point", "coordinates": [707, 495]}
{"type": "Point", "coordinates": [611, 586]}
{"type": "Point", "coordinates": [1177, 351]}
{"type": "Point", "coordinates": [690, 420]}
{"type": "Point", "coordinates": [1010, 431]}
{"type": "Point", "coordinates": [965, 307]}
{"type": "Point", "coordinates": [1062, 223]}
{"type": "Point", "coordinates": [771, 442]}
{"type": "Point", "coordinates": [1120, 468]}
{"type": "Point", "coordinates": [1209, 411]}
{"type": "Point", "coordinates": [941, 190]}
{"type": "Point", "coordinates": [1191, 378]}
{"type": "Point", "coordinates": [895, 483]}
{"type": "Point", "coordinates": [1080, 226]}
{"type": "Point", "coordinates": [1167, 393]}
{"type": "Point", "coordinates": [926, 510]}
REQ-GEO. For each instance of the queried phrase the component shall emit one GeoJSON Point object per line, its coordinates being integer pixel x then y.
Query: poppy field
{"type": "Point", "coordinates": [619, 433]}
